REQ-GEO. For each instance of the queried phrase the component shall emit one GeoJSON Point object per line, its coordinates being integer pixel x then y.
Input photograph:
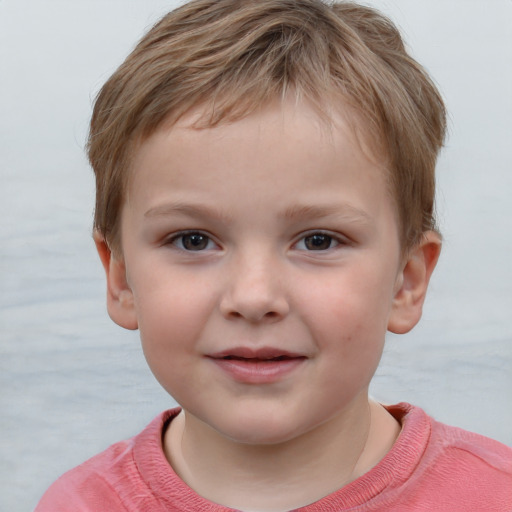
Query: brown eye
{"type": "Point", "coordinates": [192, 242]}
{"type": "Point", "coordinates": [318, 242]}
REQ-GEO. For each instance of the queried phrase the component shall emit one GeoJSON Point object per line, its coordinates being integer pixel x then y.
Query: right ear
{"type": "Point", "coordinates": [120, 302]}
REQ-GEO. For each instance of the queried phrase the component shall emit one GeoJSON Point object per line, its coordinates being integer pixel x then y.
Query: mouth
{"type": "Point", "coordinates": [264, 354]}
{"type": "Point", "coordinates": [257, 366]}
{"type": "Point", "coordinates": [259, 359]}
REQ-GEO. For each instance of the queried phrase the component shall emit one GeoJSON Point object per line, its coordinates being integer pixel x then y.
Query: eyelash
{"type": "Point", "coordinates": [339, 241]}
{"type": "Point", "coordinates": [174, 240]}
{"type": "Point", "coordinates": [329, 237]}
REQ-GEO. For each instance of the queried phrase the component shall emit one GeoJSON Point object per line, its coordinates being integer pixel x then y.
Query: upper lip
{"type": "Point", "coordinates": [261, 353]}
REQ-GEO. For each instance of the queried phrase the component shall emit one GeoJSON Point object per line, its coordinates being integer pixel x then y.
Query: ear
{"type": "Point", "coordinates": [412, 283]}
{"type": "Point", "coordinates": [120, 303]}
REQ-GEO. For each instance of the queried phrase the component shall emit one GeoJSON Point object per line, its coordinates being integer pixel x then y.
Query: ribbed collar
{"type": "Point", "coordinates": [389, 475]}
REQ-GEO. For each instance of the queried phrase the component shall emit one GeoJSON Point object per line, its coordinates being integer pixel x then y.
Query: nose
{"type": "Point", "coordinates": [255, 291]}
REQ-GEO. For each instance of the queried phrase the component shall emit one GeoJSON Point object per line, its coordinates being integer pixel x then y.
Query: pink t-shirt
{"type": "Point", "coordinates": [431, 467]}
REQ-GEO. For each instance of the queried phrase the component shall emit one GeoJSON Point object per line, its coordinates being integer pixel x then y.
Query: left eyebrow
{"type": "Point", "coordinates": [348, 212]}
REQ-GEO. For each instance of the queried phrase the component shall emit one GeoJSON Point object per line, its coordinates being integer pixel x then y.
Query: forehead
{"type": "Point", "coordinates": [325, 122]}
{"type": "Point", "coordinates": [282, 160]}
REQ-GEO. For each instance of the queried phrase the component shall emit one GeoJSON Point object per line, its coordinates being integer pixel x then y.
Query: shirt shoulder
{"type": "Point", "coordinates": [87, 487]}
{"type": "Point", "coordinates": [481, 460]}
{"type": "Point", "coordinates": [110, 480]}
{"type": "Point", "coordinates": [482, 450]}
{"type": "Point", "coordinates": [433, 466]}
{"type": "Point", "coordinates": [463, 471]}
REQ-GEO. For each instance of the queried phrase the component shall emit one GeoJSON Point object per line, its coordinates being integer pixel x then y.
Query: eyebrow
{"type": "Point", "coordinates": [189, 209]}
{"type": "Point", "coordinates": [293, 213]}
{"type": "Point", "coordinates": [346, 211]}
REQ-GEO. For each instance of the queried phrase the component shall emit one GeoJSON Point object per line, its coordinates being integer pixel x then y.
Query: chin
{"type": "Point", "coordinates": [260, 437]}
{"type": "Point", "coordinates": [261, 429]}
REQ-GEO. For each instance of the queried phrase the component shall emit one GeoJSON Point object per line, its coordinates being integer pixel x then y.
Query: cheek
{"type": "Point", "coordinates": [172, 304]}
{"type": "Point", "coordinates": [348, 317]}
{"type": "Point", "coordinates": [169, 334]}
{"type": "Point", "coordinates": [172, 314]}
{"type": "Point", "coordinates": [351, 304]}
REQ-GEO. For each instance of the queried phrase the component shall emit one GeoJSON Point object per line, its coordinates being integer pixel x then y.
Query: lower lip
{"type": "Point", "coordinates": [257, 371]}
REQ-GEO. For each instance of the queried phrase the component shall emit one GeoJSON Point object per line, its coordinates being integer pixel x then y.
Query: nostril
{"type": "Point", "coordinates": [255, 316]}
{"type": "Point", "coordinates": [254, 303]}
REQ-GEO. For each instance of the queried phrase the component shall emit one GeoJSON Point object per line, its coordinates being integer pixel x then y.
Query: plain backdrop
{"type": "Point", "coordinates": [71, 382]}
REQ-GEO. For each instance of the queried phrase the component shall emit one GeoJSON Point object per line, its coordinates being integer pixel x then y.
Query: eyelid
{"type": "Point", "coordinates": [171, 239]}
{"type": "Point", "coordinates": [337, 237]}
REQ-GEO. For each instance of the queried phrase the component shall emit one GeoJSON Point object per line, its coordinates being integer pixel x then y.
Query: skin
{"type": "Point", "coordinates": [257, 194]}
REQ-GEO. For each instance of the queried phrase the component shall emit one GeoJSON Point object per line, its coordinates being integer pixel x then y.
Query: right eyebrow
{"type": "Point", "coordinates": [195, 210]}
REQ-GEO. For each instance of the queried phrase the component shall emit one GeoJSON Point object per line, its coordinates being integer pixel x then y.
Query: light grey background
{"type": "Point", "coordinates": [71, 382]}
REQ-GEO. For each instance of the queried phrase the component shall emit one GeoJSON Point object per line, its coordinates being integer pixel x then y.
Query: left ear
{"type": "Point", "coordinates": [412, 283]}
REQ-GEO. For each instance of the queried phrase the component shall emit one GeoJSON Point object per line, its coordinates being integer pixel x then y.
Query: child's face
{"type": "Point", "coordinates": [262, 268]}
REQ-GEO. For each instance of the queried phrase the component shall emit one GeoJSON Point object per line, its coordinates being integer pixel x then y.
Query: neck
{"type": "Point", "coordinates": [284, 476]}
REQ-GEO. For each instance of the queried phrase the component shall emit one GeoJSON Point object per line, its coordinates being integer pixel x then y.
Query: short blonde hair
{"type": "Point", "coordinates": [234, 56]}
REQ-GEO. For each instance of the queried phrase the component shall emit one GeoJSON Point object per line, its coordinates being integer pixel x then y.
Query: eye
{"type": "Point", "coordinates": [317, 242]}
{"type": "Point", "coordinates": [192, 241]}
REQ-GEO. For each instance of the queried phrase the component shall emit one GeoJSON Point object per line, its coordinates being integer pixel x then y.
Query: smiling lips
{"type": "Point", "coordinates": [257, 366]}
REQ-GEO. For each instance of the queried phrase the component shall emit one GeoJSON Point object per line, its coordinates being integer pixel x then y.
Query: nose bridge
{"type": "Point", "coordinates": [256, 288]}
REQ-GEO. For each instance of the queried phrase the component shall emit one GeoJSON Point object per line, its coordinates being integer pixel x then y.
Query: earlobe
{"type": "Point", "coordinates": [412, 283]}
{"type": "Point", "coordinates": [120, 303]}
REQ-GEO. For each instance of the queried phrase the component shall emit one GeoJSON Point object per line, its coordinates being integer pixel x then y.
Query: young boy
{"type": "Point", "coordinates": [264, 214]}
